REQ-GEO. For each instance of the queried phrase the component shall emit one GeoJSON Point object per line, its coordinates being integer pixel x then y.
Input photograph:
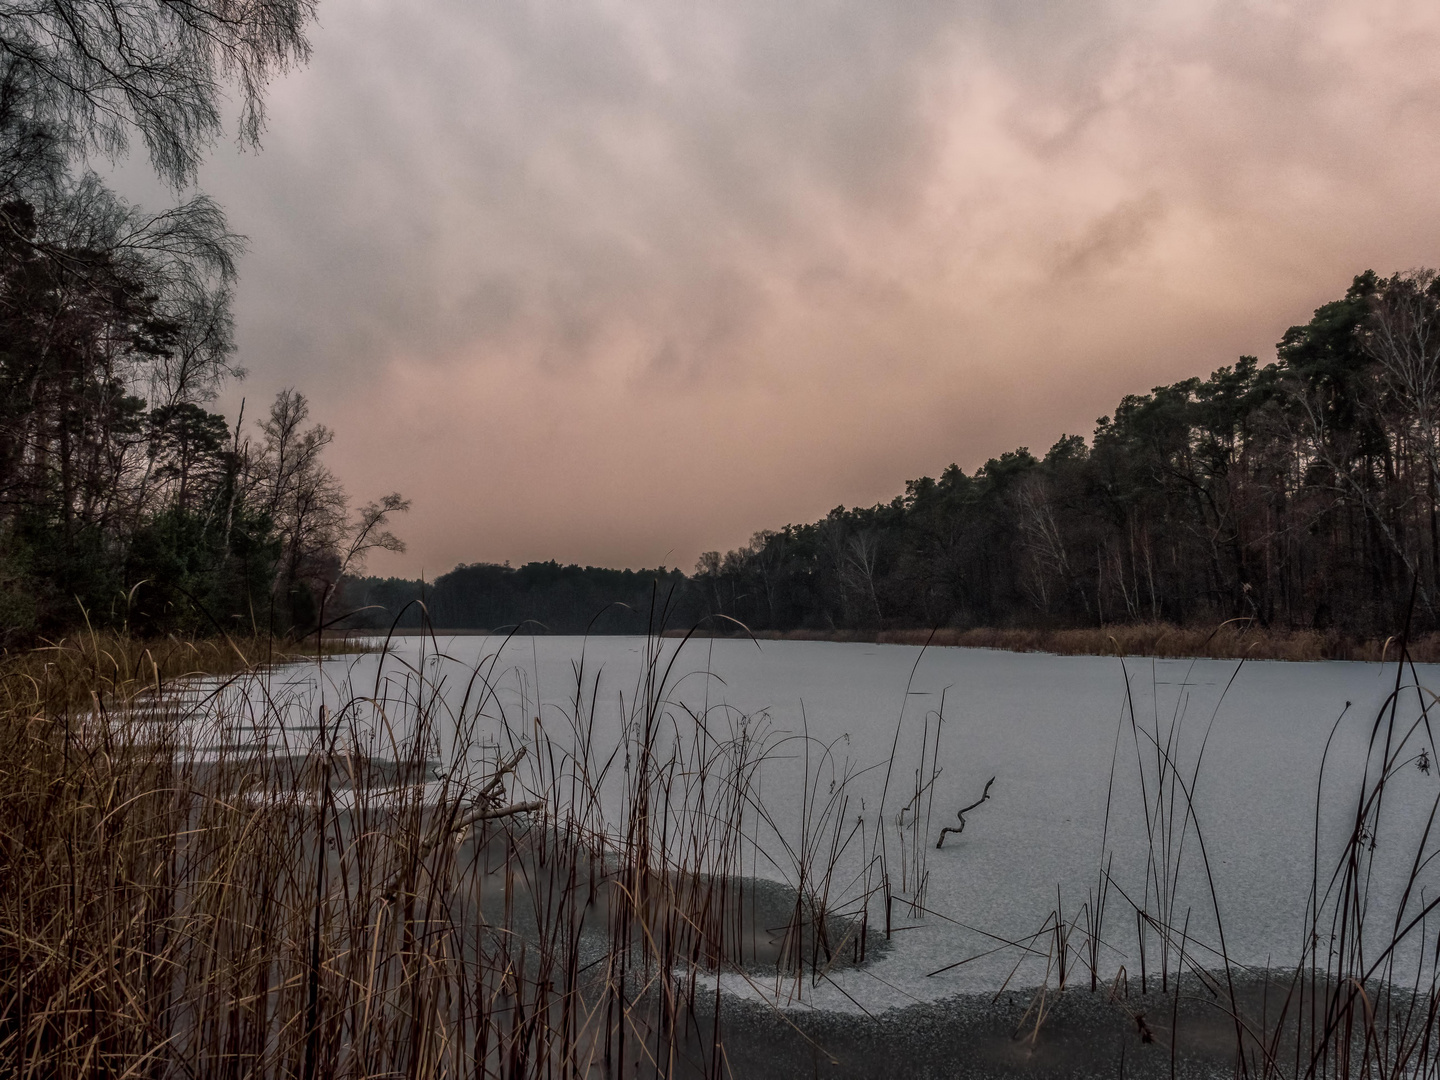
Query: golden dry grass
{"type": "Point", "coordinates": [114, 667]}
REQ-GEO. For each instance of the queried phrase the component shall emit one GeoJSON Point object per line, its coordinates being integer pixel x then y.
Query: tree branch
{"type": "Point", "coordinates": [485, 810]}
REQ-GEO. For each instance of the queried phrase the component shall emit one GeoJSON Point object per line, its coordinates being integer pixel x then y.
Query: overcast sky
{"type": "Point", "coordinates": [618, 281]}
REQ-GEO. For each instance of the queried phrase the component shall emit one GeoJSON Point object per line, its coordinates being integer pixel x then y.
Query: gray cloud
{"type": "Point", "coordinates": [691, 270]}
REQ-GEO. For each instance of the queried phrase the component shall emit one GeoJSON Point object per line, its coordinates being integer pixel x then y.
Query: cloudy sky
{"type": "Point", "coordinates": [617, 281]}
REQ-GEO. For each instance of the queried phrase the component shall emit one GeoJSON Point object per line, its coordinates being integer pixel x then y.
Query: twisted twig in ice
{"type": "Point", "coordinates": [961, 815]}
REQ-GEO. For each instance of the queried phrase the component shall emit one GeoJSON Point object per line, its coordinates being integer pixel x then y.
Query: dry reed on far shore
{"type": "Point", "coordinates": [1235, 640]}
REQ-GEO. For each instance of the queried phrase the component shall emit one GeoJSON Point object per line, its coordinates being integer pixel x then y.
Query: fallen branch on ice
{"type": "Point", "coordinates": [961, 815]}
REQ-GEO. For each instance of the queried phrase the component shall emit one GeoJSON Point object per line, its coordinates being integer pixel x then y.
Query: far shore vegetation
{"type": "Point", "coordinates": [1288, 509]}
{"type": "Point", "coordinates": [1232, 641]}
{"type": "Point", "coordinates": [1235, 641]}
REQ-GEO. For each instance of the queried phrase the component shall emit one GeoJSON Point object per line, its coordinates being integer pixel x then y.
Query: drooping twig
{"type": "Point", "coordinates": [486, 809]}
{"type": "Point", "coordinates": [961, 815]}
{"type": "Point", "coordinates": [492, 789]}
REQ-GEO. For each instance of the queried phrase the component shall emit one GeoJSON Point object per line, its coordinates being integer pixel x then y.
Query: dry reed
{"type": "Point", "coordinates": [1237, 640]}
{"type": "Point", "coordinates": [212, 880]}
{"type": "Point", "coordinates": [1362, 998]}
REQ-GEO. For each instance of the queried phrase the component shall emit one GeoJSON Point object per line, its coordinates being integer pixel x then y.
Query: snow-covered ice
{"type": "Point", "coordinates": [1047, 728]}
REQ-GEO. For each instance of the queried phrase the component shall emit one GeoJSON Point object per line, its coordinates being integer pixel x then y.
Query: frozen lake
{"type": "Point", "coordinates": [1047, 728]}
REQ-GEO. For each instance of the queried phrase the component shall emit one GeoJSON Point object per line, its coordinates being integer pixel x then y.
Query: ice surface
{"type": "Point", "coordinates": [1048, 729]}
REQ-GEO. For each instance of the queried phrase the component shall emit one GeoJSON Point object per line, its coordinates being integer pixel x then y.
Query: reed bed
{"type": "Point", "coordinates": [215, 879]}
{"type": "Point", "coordinates": [71, 671]}
{"type": "Point", "coordinates": [1236, 640]}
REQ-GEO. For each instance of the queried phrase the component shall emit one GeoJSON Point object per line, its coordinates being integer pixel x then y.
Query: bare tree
{"type": "Point", "coordinates": [1045, 560]}
{"type": "Point", "coordinates": [766, 552]}
{"type": "Point", "coordinates": [95, 71]}
{"type": "Point", "coordinates": [1353, 484]}
{"type": "Point", "coordinates": [369, 531]}
{"type": "Point", "coordinates": [320, 541]}
{"type": "Point", "coordinates": [304, 502]}
{"type": "Point", "coordinates": [1403, 337]}
{"type": "Point", "coordinates": [862, 552]}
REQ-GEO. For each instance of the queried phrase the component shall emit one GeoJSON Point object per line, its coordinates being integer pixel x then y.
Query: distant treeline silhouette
{"type": "Point", "coordinates": [544, 596]}
{"type": "Point", "coordinates": [1299, 494]}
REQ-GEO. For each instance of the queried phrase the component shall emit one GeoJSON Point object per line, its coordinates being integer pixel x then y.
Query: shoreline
{"type": "Point", "coordinates": [1030, 1034]}
{"type": "Point", "coordinates": [1159, 640]}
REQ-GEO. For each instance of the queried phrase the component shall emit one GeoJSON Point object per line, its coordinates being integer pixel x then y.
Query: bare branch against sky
{"type": "Point", "coordinates": [615, 282]}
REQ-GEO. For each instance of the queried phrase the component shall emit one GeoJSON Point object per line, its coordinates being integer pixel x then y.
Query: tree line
{"type": "Point", "coordinates": [124, 500]}
{"type": "Point", "coordinates": [540, 597]}
{"type": "Point", "coordinates": [1300, 493]}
